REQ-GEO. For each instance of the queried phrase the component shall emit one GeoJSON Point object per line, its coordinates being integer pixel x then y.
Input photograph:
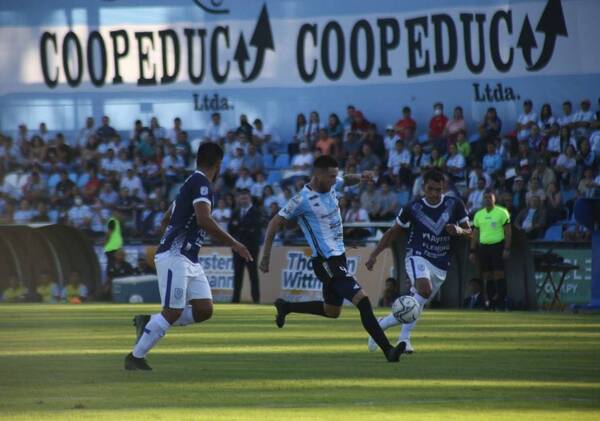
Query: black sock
{"type": "Point", "coordinates": [371, 325]}
{"type": "Point", "coordinates": [306, 307]}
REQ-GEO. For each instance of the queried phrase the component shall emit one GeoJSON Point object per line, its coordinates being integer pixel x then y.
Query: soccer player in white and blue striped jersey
{"type": "Point", "coordinates": [317, 212]}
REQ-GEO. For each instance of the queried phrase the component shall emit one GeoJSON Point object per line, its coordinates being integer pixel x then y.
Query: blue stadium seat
{"type": "Point", "coordinates": [553, 233]}
{"type": "Point", "coordinates": [225, 162]}
{"type": "Point", "coordinates": [268, 161]}
{"type": "Point", "coordinates": [282, 161]}
{"type": "Point", "coordinates": [274, 177]}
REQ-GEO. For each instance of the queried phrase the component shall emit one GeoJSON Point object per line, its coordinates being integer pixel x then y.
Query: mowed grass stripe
{"type": "Point", "coordinates": [65, 362]}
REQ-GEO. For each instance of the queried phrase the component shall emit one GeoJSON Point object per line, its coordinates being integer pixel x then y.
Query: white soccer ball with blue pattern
{"type": "Point", "coordinates": [406, 309]}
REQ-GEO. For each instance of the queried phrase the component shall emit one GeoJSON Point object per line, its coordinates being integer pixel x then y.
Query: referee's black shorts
{"type": "Point", "coordinates": [490, 257]}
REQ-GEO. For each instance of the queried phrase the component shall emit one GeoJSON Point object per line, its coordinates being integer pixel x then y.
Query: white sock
{"type": "Point", "coordinates": [407, 327]}
{"type": "Point", "coordinates": [155, 329]}
{"type": "Point", "coordinates": [388, 321]}
{"type": "Point", "coordinates": [186, 318]}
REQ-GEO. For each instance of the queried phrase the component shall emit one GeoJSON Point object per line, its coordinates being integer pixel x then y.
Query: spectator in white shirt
{"type": "Point", "coordinates": [259, 185]}
{"type": "Point", "coordinates": [79, 215]}
{"type": "Point", "coordinates": [216, 130]}
{"type": "Point", "coordinates": [583, 118]}
{"type": "Point", "coordinates": [356, 214]}
{"type": "Point", "coordinates": [566, 165]}
{"type": "Point", "coordinates": [173, 133]}
{"type": "Point", "coordinates": [244, 181]}
{"type": "Point", "coordinates": [134, 183]}
{"type": "Point", "coordinates": [108, 196]}
{"type": "Point", "coordinates": [173, 167]}
{"type": "Point", "coordinates": [109, 163]}
{"type": "Point", "coordinates": [24, 214]}
{"type": "Point", "coordinates": [567, 118]}
{"type": "Point", "coordinates": [235, 164]}
{"type": "Point", "coordinates": [595, 142]}
{"type": "Point", "coordinates": [222, 214]}
{"type": "Point", "coordinates": [157, 131]}
{"type": "Point", "coordinates": [85, 133]}
{"type": "Point", "coordinates": [526, 120]}
{"type": "Point", "coordinates": [455, 164]}
{"type": "Point", "coordinates": [390, 139]}
{"type": "Point", "coordinates": [99, 218]}
{"type": "Point", "coordinates": [262, 137]}
{"type": "Point", "coordinates": [475, 200]}
{"type": "Point", "coordinates": [399, 158]}
{"type": "Point", "coordinates": [122, 164]}
{"type": "Point", "coordinates": [302, 162]}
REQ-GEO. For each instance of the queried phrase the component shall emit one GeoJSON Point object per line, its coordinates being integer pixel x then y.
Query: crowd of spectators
{"type": "Point", "coordinates": [537, 166]}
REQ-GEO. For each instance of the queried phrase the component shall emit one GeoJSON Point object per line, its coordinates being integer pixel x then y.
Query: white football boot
{"type": "Point", "coordinates": [409, 349]}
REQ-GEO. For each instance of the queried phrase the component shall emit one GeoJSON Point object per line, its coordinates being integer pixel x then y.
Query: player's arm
{"type": "Point", "coordinates": [165, 219]}
{"type": "Point", "coordinates": [463, 228]}
{"type": "Point", "coordinates": [387, 239]}
{"type": "Point", "coordinates": [353, 179]}
{"type": "Point", "coordinates": [474, 244]}
{"type": "Point", "coordinates": [275, 225]}
{"type": "Point", "coordinates": [205, 221]}
{"type": "Point", "coordinates": [507, 238]}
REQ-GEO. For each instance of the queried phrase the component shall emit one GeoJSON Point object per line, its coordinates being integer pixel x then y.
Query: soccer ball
{"type": "Point", "coordinates": [406, 309]}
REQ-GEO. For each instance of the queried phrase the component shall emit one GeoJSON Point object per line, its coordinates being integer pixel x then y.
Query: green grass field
{"type": "Point", "coordinates": [66, 362]}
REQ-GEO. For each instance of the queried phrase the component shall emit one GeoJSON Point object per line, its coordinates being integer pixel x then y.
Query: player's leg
{"type": "Point", "coordinates": [349, 289]}
{"type": "Point", "coordinates": [199, 296]}
{"type": "Point", "coordinates": [317, 307]}
{"type": "Point", "coordinates": [422, 291]}
{"type": "Point", "coordinates": [172, 286]}
{"type": "Point", "coordinates": [389, 321]}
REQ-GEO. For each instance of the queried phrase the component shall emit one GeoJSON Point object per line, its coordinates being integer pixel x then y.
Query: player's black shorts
{"type": "Point", "coordinates": [490, 257]}
{"type": "Point", "coordinates": [337, 282]}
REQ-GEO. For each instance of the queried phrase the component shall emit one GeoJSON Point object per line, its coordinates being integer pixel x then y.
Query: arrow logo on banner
{"type": "Point", "coordinates": [552, 24]}
{"type": "Point", "coordinates": [262, 40]}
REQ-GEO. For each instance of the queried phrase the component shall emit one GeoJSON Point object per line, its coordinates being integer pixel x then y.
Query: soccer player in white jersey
{"type": "Point", "coordinates": [431, 221]}
{"type": "Point", "coordinates": [317, 212]}
{"type": "Point", "coordinates": [184, 289]}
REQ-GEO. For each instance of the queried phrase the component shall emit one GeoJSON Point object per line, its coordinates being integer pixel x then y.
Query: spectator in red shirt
{"type": "Point", "coordinates": [437, 123]}
{"type": "Point", "coordinates": [360, 123]}
{"type": "Point", "coordinates": [406, 126]}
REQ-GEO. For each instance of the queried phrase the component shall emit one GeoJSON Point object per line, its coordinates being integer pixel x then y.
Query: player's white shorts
{"type": "Point", "coordinates": [180, 280]}
{"type": "Point", "coordinates": [419, 267]}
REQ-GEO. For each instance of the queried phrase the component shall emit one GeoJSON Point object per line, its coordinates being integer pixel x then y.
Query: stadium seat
{"type": "Point", "coordinates": [268, 161]}
{"type": "Point", "coordinates": [282, 161]}
{"type": "Point", "coordinates": [553, 233]}
{"type": "Point", "coordinates": [274, 177]}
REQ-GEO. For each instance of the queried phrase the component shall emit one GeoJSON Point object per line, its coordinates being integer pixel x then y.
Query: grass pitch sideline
{"type": "Point", "coordinates": [66, 362]}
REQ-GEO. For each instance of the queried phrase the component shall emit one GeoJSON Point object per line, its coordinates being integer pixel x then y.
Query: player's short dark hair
{"type": "Point", "coordinates": [433, 174]}
{"type": "Point", "coordinates": [243, 191]}
{"type": "Point", "coordinates": [209, 153]}
{"type": "Point", "coordinates": [406, 109]}
{"type": "Point", "coordinates": [325, 161]}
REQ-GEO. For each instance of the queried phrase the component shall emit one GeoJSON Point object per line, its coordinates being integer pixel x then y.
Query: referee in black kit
{"type": "Point", "coordinates": [490, 245]}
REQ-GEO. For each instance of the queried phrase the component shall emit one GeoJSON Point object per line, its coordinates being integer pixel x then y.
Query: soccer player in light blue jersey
{"type": "Point", "coordinates": [431, 221]}
{"type": "Point", "coordinates": [317, 212]}
{"type": "Point", "coordinates": [184, 289]}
